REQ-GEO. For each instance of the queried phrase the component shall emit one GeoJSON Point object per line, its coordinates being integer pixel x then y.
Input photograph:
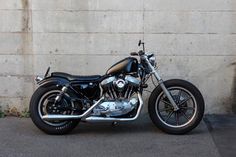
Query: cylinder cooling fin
{"type": "Point", "coordinates": [120, 87]}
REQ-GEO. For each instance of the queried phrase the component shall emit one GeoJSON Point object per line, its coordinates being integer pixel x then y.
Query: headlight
{"type": "Point", "coordinates": [152, 60]}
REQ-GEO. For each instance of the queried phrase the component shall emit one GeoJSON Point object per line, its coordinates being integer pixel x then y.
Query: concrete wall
{"type": "Point", "coordinates": [193, 40]}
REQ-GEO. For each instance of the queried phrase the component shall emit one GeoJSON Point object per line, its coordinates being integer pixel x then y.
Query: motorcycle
{"type": "Point", "coordinates": [62, 100]}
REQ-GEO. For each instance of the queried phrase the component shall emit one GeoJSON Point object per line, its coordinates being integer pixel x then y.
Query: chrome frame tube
{"type": "Point", "coordinates": [160, 81]}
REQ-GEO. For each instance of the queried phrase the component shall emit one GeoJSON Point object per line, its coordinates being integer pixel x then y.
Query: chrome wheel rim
{"type": "Point", "coordinates": [185, 101]}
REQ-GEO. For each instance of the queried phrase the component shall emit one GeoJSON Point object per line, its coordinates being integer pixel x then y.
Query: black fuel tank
{"type": "Point", "coordinates": [125, 66]}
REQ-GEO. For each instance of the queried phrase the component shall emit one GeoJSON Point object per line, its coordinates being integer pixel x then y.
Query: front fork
{"type": "Point", "coordinates": [160, 82]}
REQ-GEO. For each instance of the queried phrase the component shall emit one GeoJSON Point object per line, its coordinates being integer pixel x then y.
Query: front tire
{"type": "Point", "coordinates": [55, 128]}
{"type": "Point", "coordinates": [189, 100]}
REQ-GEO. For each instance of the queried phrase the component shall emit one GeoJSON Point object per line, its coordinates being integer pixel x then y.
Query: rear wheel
{"type": "Point", "coordinates": [190, 103]}
{"type": "Point", "coordinates": [42, 103]}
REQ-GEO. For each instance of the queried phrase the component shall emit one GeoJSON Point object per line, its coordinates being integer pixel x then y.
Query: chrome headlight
{"type": "Point", "coordinates": [152, 60]}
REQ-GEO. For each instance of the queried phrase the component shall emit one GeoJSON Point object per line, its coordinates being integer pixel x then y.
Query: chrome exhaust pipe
{"type": "Point", "coordinates": [92, 118]}
{"type": "Point", "coordinates": [107, 119]}
{"type": "Point", "coordinates": [51, 117]}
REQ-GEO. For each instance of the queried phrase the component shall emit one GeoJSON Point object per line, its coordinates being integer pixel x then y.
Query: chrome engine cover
{"type": "Point", "coordinates": [115, 108]}
{"type": "Point", "coordinates": [119, 94]}
{"type": "Point", "coordinates": [120, 84]}
{"type": "Point", "coordinates": [108, 81]}
{"type": "Point", "coordinates": [132, 81]}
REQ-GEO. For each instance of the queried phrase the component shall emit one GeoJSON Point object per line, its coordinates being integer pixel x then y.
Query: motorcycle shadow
{"type": "Point", "coordinates": [142, 125]}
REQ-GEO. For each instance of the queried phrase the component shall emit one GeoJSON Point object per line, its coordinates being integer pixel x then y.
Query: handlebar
{"type": "Point", "coordinates": [133, 53]}
{"type": "Point", "coordinates": [140, 53]}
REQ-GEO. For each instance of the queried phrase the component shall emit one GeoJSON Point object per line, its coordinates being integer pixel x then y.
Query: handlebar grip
{"type": "Point", "coordinates": [134, 54]}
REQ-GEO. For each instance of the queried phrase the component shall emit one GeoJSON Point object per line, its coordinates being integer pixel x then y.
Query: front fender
{"type": "Point", "coordinates": [53, 81]}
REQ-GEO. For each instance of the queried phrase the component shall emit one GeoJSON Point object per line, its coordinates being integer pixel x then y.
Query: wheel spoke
{"type": "Point", "coordinates": [188, 108]}
{"type": "Point", "coordinates": [165, 102]}
{"type": "Point", "coordinates": [185, 116]}
{"type": "Point", "coordinates": [185, 100]}
{"type": "Point", "coordinates": [169, 115]}
{"type": "Point", "coordinates": [165, 109]}
{"type": "Point", "coordinates": [179, 95]}
{"type": "Point", "coordinates": [177, 118]}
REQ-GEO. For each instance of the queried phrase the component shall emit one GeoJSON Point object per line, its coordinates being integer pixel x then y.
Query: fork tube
{"type": "Point", "coordinates": [160, 82]}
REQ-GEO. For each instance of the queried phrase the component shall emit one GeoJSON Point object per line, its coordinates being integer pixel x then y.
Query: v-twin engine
{"type": "Point", "coordinates": [119, 96]}
{"type": "Point", "coordinates": [120, 87]}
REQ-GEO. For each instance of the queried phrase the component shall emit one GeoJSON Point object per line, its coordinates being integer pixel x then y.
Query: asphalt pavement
{"type": "Point", "coordinates": [223, 131]}
{"type": "Point", "coordinates": [19, 137]}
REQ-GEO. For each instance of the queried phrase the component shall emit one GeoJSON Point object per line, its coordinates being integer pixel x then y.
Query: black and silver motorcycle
{"type": "Point", "coordinates": [62, 100]}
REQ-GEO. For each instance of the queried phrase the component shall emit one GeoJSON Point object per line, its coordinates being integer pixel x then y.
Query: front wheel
{"type": "Point", "coordinates": [190, 103]}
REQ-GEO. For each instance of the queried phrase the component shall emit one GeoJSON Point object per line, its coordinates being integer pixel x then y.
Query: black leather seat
{"type": "Point", "coordinates": [91, 78]}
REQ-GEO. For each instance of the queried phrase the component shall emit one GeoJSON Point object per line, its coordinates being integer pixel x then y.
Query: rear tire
{"type": "Point", "coordinates": [170, 127]}
{"type": "Point", "coordinates": [48, 127]}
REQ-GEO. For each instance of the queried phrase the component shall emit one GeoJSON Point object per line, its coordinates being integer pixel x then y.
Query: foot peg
{"type": "Point", "coordinates": [114, 124]}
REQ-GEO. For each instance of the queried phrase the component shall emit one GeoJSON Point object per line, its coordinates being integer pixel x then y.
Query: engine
{"type": "Point", "coordinates": [120, 88]}
{"type": "Point", "coordinates": [120, 96]}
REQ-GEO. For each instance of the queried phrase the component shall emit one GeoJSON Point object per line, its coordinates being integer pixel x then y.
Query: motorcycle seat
{"type": "Point", "coordinates": [91, 78]}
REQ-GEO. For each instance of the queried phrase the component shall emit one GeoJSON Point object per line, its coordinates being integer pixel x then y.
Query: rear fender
{"type": "Point", "coordinates": [53, 81]}
{"type": "Point", "coordinates": [60, 82]}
